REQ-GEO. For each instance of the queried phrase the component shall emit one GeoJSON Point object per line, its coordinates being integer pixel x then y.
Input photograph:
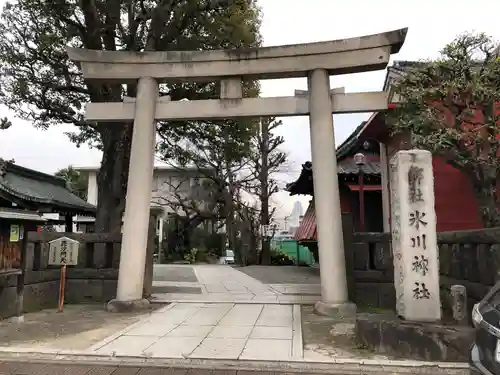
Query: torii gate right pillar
{"type": "Point", "coordinates": [334, 296]}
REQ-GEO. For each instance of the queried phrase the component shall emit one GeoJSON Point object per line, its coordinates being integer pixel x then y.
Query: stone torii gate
{"type": "Point", "coordinates": [316, 61]}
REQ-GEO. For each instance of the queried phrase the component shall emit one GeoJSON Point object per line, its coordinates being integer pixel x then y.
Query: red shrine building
{"type": "Point", "coordinates": [455, 202]}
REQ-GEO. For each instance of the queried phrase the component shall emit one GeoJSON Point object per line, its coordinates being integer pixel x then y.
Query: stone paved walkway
{"type": "Point", "coordinates": [237, 320]}
{"type": "Point", "coordinates": [222, 284]}
{"type": "Point", "coordinates": [213, 331]}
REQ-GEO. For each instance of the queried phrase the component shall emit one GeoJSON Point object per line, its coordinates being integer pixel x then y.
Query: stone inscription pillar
{"type": "Point", "coordinates": [334, 297]}
{"type": "Point", "coordinates": [136, 219]}
{"type": "Point", "coordinates": [414, 239]}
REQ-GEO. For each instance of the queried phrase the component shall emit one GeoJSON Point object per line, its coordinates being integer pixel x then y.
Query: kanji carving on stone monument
{"type": "Point", "coordinates": [416, 264]}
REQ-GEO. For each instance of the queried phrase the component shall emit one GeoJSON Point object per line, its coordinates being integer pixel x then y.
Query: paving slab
{"type": "Point", "coordinates": [177, 315]}
{"type": "Point", "coordinates": [278, 333]}
{"type": "Point", "coordinates": [148, 329]}
{"type": "Point", "coordinates": [219, 348]}
{"type": "Point", "coordinates": [215, 288]}
{"type": "Point", "coordinates": [297, 289]}
{"type": "Point", "coordinates": [242, 315]}
{"type": "Point", "coordinates": [265, 349]}
{"type": "Point", "coordinates": [207, 317]}
{"type": "Point", "coordinates": [128, 345]}
{"type": "Point", "coordinates": [282, 274]}
{"type": "Point", "coordinates": [176, 289]}
{"type": "Point", "coordinates": [173, 347]}
{"type": "Point", "coordinates": [175, 273]}
{"type": "Point", "coordinates": [276, 316]}
{"type": "Point", "coordinates": [199, 331]}
{"type": "Point", "coordinates": [230, 332]}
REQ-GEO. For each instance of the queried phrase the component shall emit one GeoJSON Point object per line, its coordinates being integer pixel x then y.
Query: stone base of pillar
{"type": "Point", "coordinates": [117, 306]}
{"type": "Point", "coordinates": [17, 319]}
{"type": "Point", "coordinates": [341, 311]}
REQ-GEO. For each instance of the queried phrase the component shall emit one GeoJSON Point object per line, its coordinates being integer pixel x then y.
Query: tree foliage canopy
{"type": "Point", "coordinates": [40, 84]}
{"type": "Point", "coordinates": [5, 123]}
{"type": "Point", "coordinates": [75, 181]}
{"type": "Point", "coordinates": [451, 108]}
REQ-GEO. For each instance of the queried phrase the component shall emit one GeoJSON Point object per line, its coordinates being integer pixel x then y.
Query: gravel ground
{"type": "Point", "coordinates": [326, 337]}
{"type": "Point", "coordinates": [78, 327]}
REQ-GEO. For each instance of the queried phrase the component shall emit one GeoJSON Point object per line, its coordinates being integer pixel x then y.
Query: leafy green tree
{"type": "Point", "coordinates": [41, 85]}
{"type": "Point", "coordinates": [450, 106]}
{"type": "Point", "coordinates": [76, 182]}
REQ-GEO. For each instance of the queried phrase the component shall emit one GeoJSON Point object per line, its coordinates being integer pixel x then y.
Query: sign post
{"type": "Point", "coordinates": [63, 252]}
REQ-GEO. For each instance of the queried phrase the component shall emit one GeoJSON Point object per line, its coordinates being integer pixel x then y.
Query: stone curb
{"type": "Point", "coordinates": [341, 366]}
{"type": "Point", "coordinates": [297, 343]}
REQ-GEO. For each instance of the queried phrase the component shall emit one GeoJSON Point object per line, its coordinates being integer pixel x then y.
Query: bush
{"type": "Point", "coordinates": [279, 258]}
{"type": "Point", "coordinates": [216, 243]}
{"type": "Point", "coordinates": [196, 255]}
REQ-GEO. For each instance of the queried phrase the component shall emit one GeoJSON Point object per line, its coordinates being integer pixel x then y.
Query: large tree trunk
{"type": "Point", "coordinates": [112, 177]}
{"type": "Point", "coordinates": [485, 187]}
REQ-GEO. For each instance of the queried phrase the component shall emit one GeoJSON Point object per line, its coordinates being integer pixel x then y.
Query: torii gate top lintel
{"type": "Point", "coordinates": [341, 56]}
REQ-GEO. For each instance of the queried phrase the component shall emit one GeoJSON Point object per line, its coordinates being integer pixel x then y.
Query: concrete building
{"type": "Point", "coordinates": [296, 214]}
{"type": "Point", "coordinates": [174, 190]}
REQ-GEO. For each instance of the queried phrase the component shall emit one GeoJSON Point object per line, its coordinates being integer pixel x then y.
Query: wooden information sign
{"type": "Point", "coordinates": [63, 252]}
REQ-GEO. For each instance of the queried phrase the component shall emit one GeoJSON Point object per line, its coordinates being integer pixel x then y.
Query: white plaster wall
{"type": "Point", "coordinates": [92, 188]}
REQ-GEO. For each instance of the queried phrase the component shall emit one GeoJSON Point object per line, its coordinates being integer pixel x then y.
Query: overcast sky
{"type": "Point", "coordinates": [431, 25]}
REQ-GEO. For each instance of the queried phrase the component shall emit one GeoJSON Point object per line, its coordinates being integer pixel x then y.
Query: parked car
{"type": "Point", "coordinates": [485, 353]}
{"type": "Point", "coordinates": [229, 257]}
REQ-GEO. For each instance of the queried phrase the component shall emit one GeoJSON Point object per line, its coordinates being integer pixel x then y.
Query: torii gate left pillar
{"type": "Point", "coordinates": [316, 61]}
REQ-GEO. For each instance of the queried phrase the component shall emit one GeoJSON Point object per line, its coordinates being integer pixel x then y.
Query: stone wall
{"type": "Point", "coordinates": [373, 269]}
{"type": "Point", "coordinates": [42, 289]}
{"type": "Point", "coordinates": [470, 258]}
{"type": "Point", "coordinates": [94, 279]}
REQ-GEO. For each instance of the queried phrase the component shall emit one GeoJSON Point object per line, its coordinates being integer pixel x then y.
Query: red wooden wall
{"type": "Point", "coordinates": [456, 207]}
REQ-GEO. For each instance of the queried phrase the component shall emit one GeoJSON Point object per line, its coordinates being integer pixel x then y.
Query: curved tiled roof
{"type": "Point", "coordinates": [39, 189]}
{"type": "Point", "coordinates": [347, 166]}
